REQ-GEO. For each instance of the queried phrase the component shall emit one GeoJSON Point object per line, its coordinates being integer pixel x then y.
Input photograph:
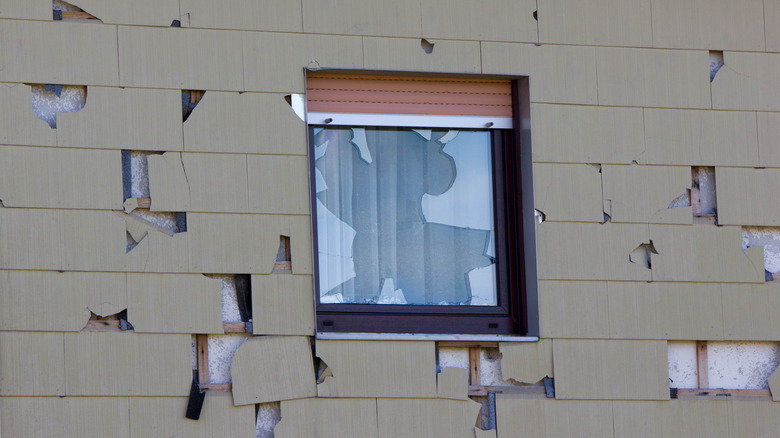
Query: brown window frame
{"type": "Point", "coordinates": [516, 312]}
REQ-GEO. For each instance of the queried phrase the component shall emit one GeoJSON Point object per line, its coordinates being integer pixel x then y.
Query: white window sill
{"type": "Point", "coordinates": [423, 337]}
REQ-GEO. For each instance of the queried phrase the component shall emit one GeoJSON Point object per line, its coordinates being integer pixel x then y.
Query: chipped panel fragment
{"type": "Point", "coordinates": [643, 194]}
{"type": "Point", "coordinates": [453, 383]}
{"type": "Point", "coordinates": [137, 12]}
{"type": "Point", "coordinates": [168, 182]}
{"type": "Point", "coordinates": [378, 368]}
{"type": "Point", "coordinates": [273, 368]}
{"type": "Point", "coordinates": [526, 362]}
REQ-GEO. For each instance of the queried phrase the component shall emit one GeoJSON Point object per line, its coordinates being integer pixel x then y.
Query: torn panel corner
{"type": "Point", "coordinates": [526, 362]}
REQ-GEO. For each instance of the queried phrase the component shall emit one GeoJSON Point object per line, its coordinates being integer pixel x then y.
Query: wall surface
{"type": "Point", "coordinates": [153, 179]}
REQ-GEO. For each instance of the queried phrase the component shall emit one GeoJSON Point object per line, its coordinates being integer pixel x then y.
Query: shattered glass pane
{"type": "Point", "coordinates": [405, 216]}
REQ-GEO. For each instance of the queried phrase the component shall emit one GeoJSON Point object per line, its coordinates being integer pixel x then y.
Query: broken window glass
{"type": "Point", "coordinates": [405, 216]}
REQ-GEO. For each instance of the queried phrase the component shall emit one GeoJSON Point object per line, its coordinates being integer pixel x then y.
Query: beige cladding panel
{"type": "Point", "coordinates": [453, 383]}
{"type": "Point", "coordinates": [92, 240]}
{"type": "Point", "coordinates": [753, 418]}
{"type": "Point", "coordinates": [126, 363]}
{"type": "Point", "coordinates": [743, 196]}
{"type": "Point", "coordinates": [750, 311]}
{"type": "Point", "coordinates": [180, 58]}
{"type": "Point", "coordinates": [582, 251]}
{"type": "Point", "coordinates": [665, 310]}
{"type": "Point", "coordinates": [747, 81]}
{"type": "Point", "coordinates": [423, 418]}
{"type": "Point", "coordinates": [273, 368]}
{"type": "Point", "coordinates": [363, 17]}
{"type": "Point", "coordinates": [573, 309]}
{"type": "Point", "coordinates": [551, 418]}
{"type": "Point", "coordinates": [124, 118]}
{"type": "Point", "coordinates": [31, 364]}
{"type": "Point", "coordinates": [586, 134]}
{"type": "Point", "coordinates": [772, 25]}
{"type": "Point", "coordinates": [693, 137]}
{"type": "Point", "coordinates": [527, 362]}
{"type": "Point", "coordinates": [704, 253]}
{"type": "Point", "coordinates": [768, 139]}
{"type": "Point", "coordinates": [596, 22]}
{"type": "Point", "coordinates": [169, 186]}
{"type": "Point", "coordinates": [774, 385]}
{"type": "Point", "coordinates": [28, 10]}
{"type": "Point", "coordinates": [58, 301]}
{"type": "Point", "coordinates": [568, 192]}
{"type": "Point", "coordinates": [274, 62]}
{"type": "Point", "coordinates": [158, 252]}
{"type": "Point", "coordinates": [501, 20]}
{"type": "Point", "coordinates": [264, 15]}
{"type": "Point", "coordinates": [58, 53]}
{"type": "Point", "coordinates": [255, 123]}
{"type": "Point", "coordinates": [230, 243]}
{"type": "Point", "coordinates": [653, 77]}
{"type": "Point", "coordinates": [31, 239]}
{"type": "Point", "coordinates": [18, 123]}
{"type": "Point", "coordinates": [216, 182]}
{"type": "Point", "coordinates": [611, 369]}
{"type": "Point", "coordinates": [507, 58]}
{"type": "Point", "coordinates": [642, 194]}
{"type": "Point", "coordinates": [282, 305]}
{"type": "Point", "coordinates": [344, 418]}
{"type": "Point", "coordinates": [164, 417]}
{"type": "Point", "coordinates": [647, 419]}
{"type": "Point", "coordinates": [137, 12]}
{"type": "Point", "coordinates": [278, 184]}
{"type": "Point", "coordinates": [60, 178]}
{"type": "Point", "coordinates": [44, 417]}
{"type": "Point", "coordinates": [378, 369]}
{"type": "Point", "coordinates": [171, 303]}
{"type": "Point", "coordinates": [407, 54]}
{"type": "Point", "coordinates": [708, 24]}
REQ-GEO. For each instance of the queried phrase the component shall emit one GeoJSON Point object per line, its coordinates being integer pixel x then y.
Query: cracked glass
{"type": "Point", "coordinates": [405, 216]}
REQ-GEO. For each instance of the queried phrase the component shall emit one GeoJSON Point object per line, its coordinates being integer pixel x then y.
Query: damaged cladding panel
{"type": "Point", "coordinates": [553, 80]}
{"type": "Point", "coordinates": [596, 22]}
{"type": "Point", "coordinates": [610, 369]}
{"type": "Point", "coordinates": [273, 368]}
{"type": "Point", "coordinates": [137, 12]}
{"type": "Point", "coordinates": [718, 25]}
{"type": "Point", "coordinates": [19, 124]}
{"type": "Point", "coordinates": [230, 243]}
{"type": "Point", "coordinates": [360, 17]}
{"type": "Point", "coordinates": [60, 178]}
{"type": "Point", "coordinates": [748, 82]}
{"type": "Point", "coordinates": [43, 417]}
{"type": "Point", "coordinates": [405, 54]}
{"type": "Point", "coordinates": [289, 53]}
{"type": "Point", "coordinates": [169, 186]}
{"type": "Point", "coordinates": [653, 78]}
{"type": "Point", "coordinates": [265, 15]}
{"type": "Point", "coordinates": [185, 59]}
{"type": "Point", "coordinates": [502, 20]}
{"type": "Point", "coordinates": [573, 309]}
{"type": "Point", "coordinates": [131, 370]}
{"type": "Point", "coordinates": [282, 305]}
{"type": "Point", "coordinates": [550, 418]}
{"type": "Point", "coordinates": [708, 254]}
{"type": "Point", "coordinates": [660, 310]}
{"type": "Point", "coordinates": [583, 251]}
{"type": "Point", "coordinates": [42, 52]}
{"type": "Point", "coordinates": [700, 138]}
{"type": "Point", "coordinates": [378, 369]}
{"type": "Point", "coordinates": [124, 118]}
{"type": "Point", "coordinates": [568, 192]}
{"type": "Point", "coordinates": [453, 383]}
{"type": "Point", "coordinates": [162, 417]}
{"type": "Point", "coordinates": [253, 123]}
{"type": "Point", "coordinates": [593, 134]}
{"type": "Point", "coordinates": [31, 363]}
{"type": "Point", "coordinates": [526, 362]}
{"type": "Point", "coordinates": [155, 303]}
{"type": "Point", "coordinates": [426, 418]}
{"type": "Point", "coordinates": [642, 194]}
{"type": "Point", "coordinates": [744, 196]}
{"type": "Point", "coordinates": [54, 301]}
{"type": "Point", "coordinates": [311, 417]}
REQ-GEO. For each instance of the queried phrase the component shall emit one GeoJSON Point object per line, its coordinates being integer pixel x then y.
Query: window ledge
{"type": "Point", "coordinates": [424, 337]}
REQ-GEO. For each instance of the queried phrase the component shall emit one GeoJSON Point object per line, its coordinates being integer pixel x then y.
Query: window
{"type": "Point", "coordinates": [418, 203]}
